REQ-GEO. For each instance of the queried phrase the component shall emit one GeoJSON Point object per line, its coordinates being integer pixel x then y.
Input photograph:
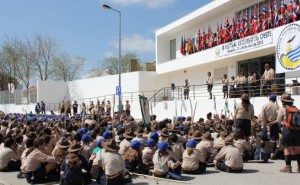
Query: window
{"type": "Point", "coordinates": [173, 49]}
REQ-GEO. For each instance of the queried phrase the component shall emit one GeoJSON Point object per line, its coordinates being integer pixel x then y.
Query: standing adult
{"type": "Point", "coordinates": [92, 106]}
{"type": "Point", "coordinates": [232, 87]}
{"type": "Point", "coordinates": [108, 108]}
{"type": "Point", "coordinates": [267, 79]}
{"type": "Point", "coordinates": [225, 82]}
{"type": "Point", "coordinates": [127, 108]}
{"type": "Point", "coordinates": [241, 81]}
{"type": "Point", "coordinates": [43, 105]}
{"type": "Point", "coordinates": [37, 108]}
{"type": "Point", "coordinates": [268, 116]}
{"type": "Point", "coordinates": [83, 110]}
{"type": "Point", "coordinates": [75, 108]}
{"type": "Point", "coordinates": [186, 89]}
{"type": "Point", "coordinates": [244, 114]}
{"type": "Point", "coordinates": [209, 83]}
{"type": "Point", "coordinates": [290, 135]}
{"type": "Point", "coordinates": [251, 83]}
{"type": "Point", "coordinates": [68, 109]}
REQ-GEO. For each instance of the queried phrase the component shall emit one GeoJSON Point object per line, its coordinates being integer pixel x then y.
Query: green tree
{"type": "Point", "coordinates": [111, 64]}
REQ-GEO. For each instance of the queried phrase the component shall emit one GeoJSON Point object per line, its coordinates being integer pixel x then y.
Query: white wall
{"type": "Point", "coordinates": [52, 91]}
{"type": "Point", "coordinates": [12, 108]}
{"type": "Point", "coordinates": [168, 109]}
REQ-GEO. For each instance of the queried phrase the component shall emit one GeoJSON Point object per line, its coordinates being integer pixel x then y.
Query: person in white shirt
{"type": "Point", "coordinates": [209, 83]}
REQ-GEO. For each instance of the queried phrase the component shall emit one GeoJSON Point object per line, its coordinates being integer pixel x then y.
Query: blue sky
{"type": "Point", "coordinates": [82, 27]}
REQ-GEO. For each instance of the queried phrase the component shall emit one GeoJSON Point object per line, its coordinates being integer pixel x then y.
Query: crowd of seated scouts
{"type": "Point", "coordinates": [74, 151]}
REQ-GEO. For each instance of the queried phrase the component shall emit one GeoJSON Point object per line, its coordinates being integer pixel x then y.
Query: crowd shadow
{"type": "Point", "coordinates": [210, 172]}
{"type": "Point", "coordinates": [186, 177]}
{"type": "Point", "coordinates": [250, 171]}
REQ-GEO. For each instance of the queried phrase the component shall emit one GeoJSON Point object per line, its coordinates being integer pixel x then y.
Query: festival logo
{"type": "Point", "coordinates": [288, 47]}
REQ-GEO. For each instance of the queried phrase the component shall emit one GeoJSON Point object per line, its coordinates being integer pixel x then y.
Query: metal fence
{"type": "Point", "coordinates": [17, 97]}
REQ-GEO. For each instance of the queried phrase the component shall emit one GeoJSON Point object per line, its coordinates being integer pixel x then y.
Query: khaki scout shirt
{"type": "Point", "coordinates": [191, 162]}
{"type": "Point", "coordinates": [231, 155]}
{"type": "Point", "coordinates": [113, 163]}
{"type": "Point", "coordinates": [269, 112]}
{"type": "Point", "coordinates": [206, 148]}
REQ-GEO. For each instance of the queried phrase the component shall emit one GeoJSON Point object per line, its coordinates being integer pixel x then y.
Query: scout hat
{"type": "Point", "coordinates": [245, 96]}
{"type": "Point", "coordinates": [74, 147]}
{"type": "Point", "coordinates": [197, 135]}
{"type": "Point", "coordinates": [63, 143]}
{"type": "Point", "coordinates": [129, 134]}
{"type": "Point", "coordinates": [112, 146]}
{"type": "Point", "coordinates": [229, 139]}
{"type": "Point", "coordinates": [207, 137]}
{"type": "Point", "coordinates": [139, 131]}
{"type": "Point", "coordinates": [224, 134]}
{"type": "Point", "coordinates": [164, 132]}
{"type": "Point", "coordinates": [286, 97]}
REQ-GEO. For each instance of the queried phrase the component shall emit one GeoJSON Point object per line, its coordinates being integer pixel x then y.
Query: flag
{"type": "Point", "coordinates": [290, 8]}
{"type": "Point", "coordinates": [270, 10]}
{"type": "Point", "coordinates": [181, 46]}
{"type": "Point", "coordinates": [282, 9]}
{"type": "Point", "coordinates": [237, 27]}
{"type": "Point", "coordinates": [246, 24]}
{"type": "Point", "coordinates": [209, 32]}
{"type": "Point", "coordinates": [255, 26]}
{"type": "Point", "coordinates": [199, 40]}
{"type": "Point", "coordinates": [226, 22]}
{"type": "Point", "coordinates": [294, 14]}
{"type": "Point", "coordinates": [218, 28]}
{"type": "Point", "coordinates": [264, 14]}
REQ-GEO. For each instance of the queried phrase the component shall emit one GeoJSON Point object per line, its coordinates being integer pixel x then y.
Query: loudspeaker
{"type": "Point", "coordinates": [172, 86]}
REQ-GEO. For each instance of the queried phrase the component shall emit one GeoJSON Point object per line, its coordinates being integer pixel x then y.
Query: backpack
{"type": "Point", "coordinates": [260, 154]}
{"type": "Point", "coordinates": [292, 118]}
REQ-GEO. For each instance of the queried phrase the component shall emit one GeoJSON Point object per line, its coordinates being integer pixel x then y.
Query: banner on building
{"type": "Point", "coordinates": [288, 49]}
{"type": "Point", "coordinates": [244, 44]}
{"type": "Point", "coordinates": [145, 109]}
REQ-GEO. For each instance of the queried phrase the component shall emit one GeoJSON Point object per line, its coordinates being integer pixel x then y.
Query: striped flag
{"type": "Point", "coordinates": [295, 14]}
{"type": "Point", "coordinates": [294, 55]}
{"type": "Point", "coordinates": [264, 14]}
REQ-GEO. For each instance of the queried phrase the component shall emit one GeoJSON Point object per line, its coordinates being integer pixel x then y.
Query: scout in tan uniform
{"type": "Point", "coordinates": [162, 162]}
{"type": "Point", "coordinates": [206, 147]}
{"type": "Point", "coordinates": [193, 160]}
{"type": "Point", "coordinates": [229, 159]}
{"type": "Point", "coordinates": [113, 164]}
{"type": "Point", "coordinates": [291, 137]}
{"type": "Point", "coordinates": [267, 79]}
{"type": "Point", "coordinates": [268, 117]}
{"type": "Point", "coordinates": [125, 143]}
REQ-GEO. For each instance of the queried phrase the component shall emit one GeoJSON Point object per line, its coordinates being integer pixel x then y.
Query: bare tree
{"type": "Point", "coordinates": [66, 69]}
{"type": "Point", "coordinates": [10, 56]}
{"type": "Point", "coordinates": [42, 51]}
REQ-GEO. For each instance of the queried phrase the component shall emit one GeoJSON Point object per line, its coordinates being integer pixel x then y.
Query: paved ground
{"type": "Point", "coordinates": [254, 174]}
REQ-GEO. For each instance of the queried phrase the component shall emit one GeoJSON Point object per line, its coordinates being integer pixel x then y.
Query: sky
{"type": "Point", "coordinates": [83, 28]}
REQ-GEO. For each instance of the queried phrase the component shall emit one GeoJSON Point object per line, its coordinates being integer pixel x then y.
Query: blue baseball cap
{"type": "Point", "coordinates": [86, 138]}
{"type": "Point", "coordinates": [135, 144]}
{"type": "Point", "coordinates": [100, 141]}
{"type": "Point", "coordinates": [181, 127]}
{"type": "Point", "coordinates": [163, 145]}
{"type": "Point", "coordinates": [106, 135]}
{"type": "Point", "coordinates": [109, 127]}
{"type": "Point", "coordinates": [191, 143]}
{"type": "Point", "coordinates": [273, 97]}
{"type": "Point", "coordinates": [150, 142]}
{"type": "Point", "coordinates": [154, 136]}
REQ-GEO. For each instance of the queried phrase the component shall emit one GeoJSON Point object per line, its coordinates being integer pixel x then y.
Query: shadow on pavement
{"type": "Point", "coordinates": [211, 172]}
{"type": "Point", "coordinates": [250, 171]}
{"type": "Point", "coordinates": [185, 177]}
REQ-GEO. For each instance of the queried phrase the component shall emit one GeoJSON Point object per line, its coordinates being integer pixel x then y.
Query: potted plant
{"type": "Point", "coordinates": [274, 88]}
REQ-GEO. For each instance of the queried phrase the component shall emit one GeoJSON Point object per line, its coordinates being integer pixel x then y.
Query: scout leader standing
{"type": "Point", "coordinates": [290, 132]}
{"type": "Point", "coordinates": [271, 129]}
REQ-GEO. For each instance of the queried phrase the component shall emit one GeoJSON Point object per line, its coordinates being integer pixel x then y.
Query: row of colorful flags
{"type": "Point", "coordinates": [240, 27]}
